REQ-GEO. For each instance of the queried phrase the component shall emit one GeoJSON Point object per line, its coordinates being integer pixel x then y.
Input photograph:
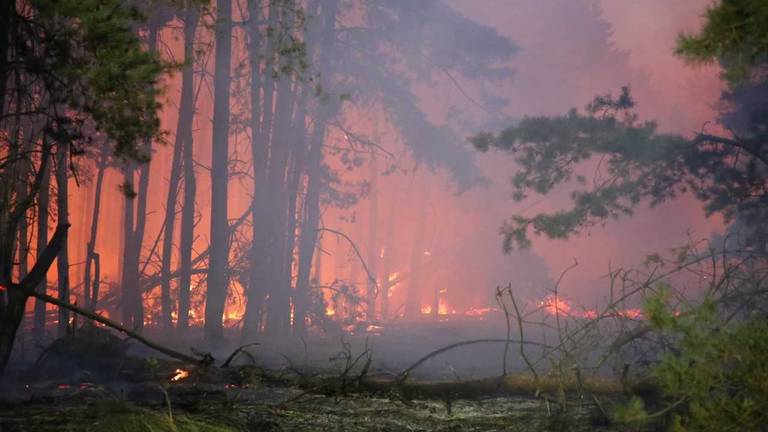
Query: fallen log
{"type": "Point", "coordinates": [204, 360]}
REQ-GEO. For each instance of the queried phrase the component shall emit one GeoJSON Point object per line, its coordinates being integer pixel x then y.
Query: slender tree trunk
{"type": "Point", "coordinates": [218, 272]}
{"type": "Point", "coordinates": [296, 172]}
{"type": "Point", "coordinates": [62, 261]}
{"type": "Point", "coordinates": [259, 149]}
{"type": "Point", "coordinates": [309, 226]}
{"type": "Point", "coordinates": [387, 259]}
{"type": "Point", "coordinates": [138, 237]}
{"type": "Point", "coordinates": [133, 228]}
{"type": "Point", "coordinates": [188, 207]}
{"type": "Point", "coordinates": [170, 218]}
{"type": "Point", "coordinates": [91, 247]}
{"type": "Point", "coordinates": [127, 267]}
{"type": "Point", "coordinates": [18, 293]}
{"type": "Point", "coordinates": [278, 306]}
{"type": "Point", "coordinates": [373, 245]}
{"type": "Point", "coordinates": [323, 40]}
{"type": "Point", "coordinates": [7, 13]}
{"type": "Point", "coordinates": [42, 240]}
{"type": "Point", "coordinates": [183, 138]}
{"type": "Point", "coordinates": [413, 296]}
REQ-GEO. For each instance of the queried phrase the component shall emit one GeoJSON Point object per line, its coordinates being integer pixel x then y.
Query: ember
{"type": "Point", "coordinates": [180, 374]}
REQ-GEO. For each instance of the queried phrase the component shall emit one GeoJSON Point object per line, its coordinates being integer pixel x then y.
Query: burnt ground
{"type": "Point", "coordinates": [267, 407]}
{"type": "Point", "coordinates": [91, 382]}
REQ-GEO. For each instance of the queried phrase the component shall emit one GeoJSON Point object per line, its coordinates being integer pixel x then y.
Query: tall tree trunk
{"type": "Point", "coordinates": [183, 138]}
{"type": "Point", "coordinates": [43, 202]}
{"type": "Point", "coordinates": [138, 237]}
{"type": "Point", "coordinates": [373, 245]}
{"type": "Point", "coordinates": [133, 226]}
{"type": "Point", "coordinates": [188, 207]}
{"type": "Point", "coordinates": [278, 306]}
{"type": "Point", "coordinates": [387, 261]}
{"type": "Point", "coordinates": [413, 296]}
{"type": "Point", "coordinates": [310, 223]}
{"type": "Point", "coordinates": [218, 278]}
{"type": "Point", "coordinates": [259, 148]}
{"type": "Point", "coordinates": [128, 267]}
{"type": "Point", "coordinates": [323, 40]}
{"type": "Point", "coordinates": [91, 247]}
{"type": "Point", "coordinates": [296, 172]}
{"type": "Point", "coordinates": [18, 293]}
{"type": "Point", "coordinates": [62, 261]}
{"type": "Point", "coordinates": [7, 14]}
{"type": "Point", "coordinates": [170, 219]}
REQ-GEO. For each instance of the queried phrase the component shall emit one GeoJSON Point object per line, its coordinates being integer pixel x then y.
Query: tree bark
{"type": "Point", "coordinates": [183, 138]}
{"type": "Point", "coordinates": [218, 278]}
{"type": "Point", "coordinates": [43, 202]}
{"type": "Point", "coordinates": [259, 148]}
{"type": "Point", "coordinates": [91, 247]}
{"type": "Point", "coordinates": [62, 261]}
{"type": "Point", "coordinates": [19, 293]}
{"type": "Point", "coordinates": [188, 207]}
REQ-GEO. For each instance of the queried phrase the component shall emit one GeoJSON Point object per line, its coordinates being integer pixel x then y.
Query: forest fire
{"type": "Point", "coordinates": [279, 208]}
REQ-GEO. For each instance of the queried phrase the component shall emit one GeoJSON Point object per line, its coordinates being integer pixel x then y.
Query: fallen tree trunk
{"type": "Point", "coordinates": [204, 361]}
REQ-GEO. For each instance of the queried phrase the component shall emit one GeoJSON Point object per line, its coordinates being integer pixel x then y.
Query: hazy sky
{"type": "Point", "coordinates": [562, 64]}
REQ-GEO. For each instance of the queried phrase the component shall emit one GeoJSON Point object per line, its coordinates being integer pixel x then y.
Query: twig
{"type": "Point", "coordinates": [240, 349]}
{"type": "Point", "coordinates": [402, 376]}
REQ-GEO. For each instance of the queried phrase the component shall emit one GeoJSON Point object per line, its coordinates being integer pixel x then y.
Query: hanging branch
{"type": "Point", "coordinates": [371, 277]}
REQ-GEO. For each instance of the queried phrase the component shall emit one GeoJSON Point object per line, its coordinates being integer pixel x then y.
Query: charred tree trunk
{"type": "Point", "coordinates": [170, 214]}
{"type": "Point", "coordinates": [90, 254]}
{"type": "Point", "coordinates": [183, 138]}
{"type": "Point", "coordinates": [296, 173]}
{"type": "Point", "coordinates": [138, 237]}
{"type": "Point", "coordinates": [62, 261]}
{"type": "Point", "coordinates": [128, 267]}
{"type": "Point", "coordinates": [191, 18]}
{"type": "Point", "coordinates": [259, 148]}
{"type": "Point", "coordinates": [133, 227]}
{"type": "Point", "coordinates": [18, 293]}
{"type": "Point", "coordinates": [7, 13]}
{"type": "Point", "coordinates": [308, 240]}
{"type": "Point", "coordinates": [218, 263]}
{"type": "Point", "coordinates": [43, 202]}
{"type": "Point", "coordinates": [278, 306]}
{"type": "Point", "coordinates": [309, 226]}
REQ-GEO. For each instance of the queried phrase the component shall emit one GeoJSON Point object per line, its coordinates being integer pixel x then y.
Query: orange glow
{"type": "Point", "coordinates": [444, 309]}
{"type": "Point", "coordinates": [180, 374]}
{"type": "Point", "coordinates": [555, 305]}
{"type": "Point", "coordinates": [632, 313]}
{"type": "Point", "coordinates": [480, 312]}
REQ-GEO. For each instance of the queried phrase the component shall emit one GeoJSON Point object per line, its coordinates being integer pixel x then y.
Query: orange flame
{"type": "Point", "coordinates": [180, 374]}
{"type": "Point", "coordinates": [555, 305]}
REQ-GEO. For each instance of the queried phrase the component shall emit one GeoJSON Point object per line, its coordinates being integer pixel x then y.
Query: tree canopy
{"type": "Point", "coordinates": [632, 162]}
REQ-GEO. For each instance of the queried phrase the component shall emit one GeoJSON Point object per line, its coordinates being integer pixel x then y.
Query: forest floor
{"type": "Point", "coordinates": [91, 383]}
{"type": "Point", "coordinates": [181, 407]}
